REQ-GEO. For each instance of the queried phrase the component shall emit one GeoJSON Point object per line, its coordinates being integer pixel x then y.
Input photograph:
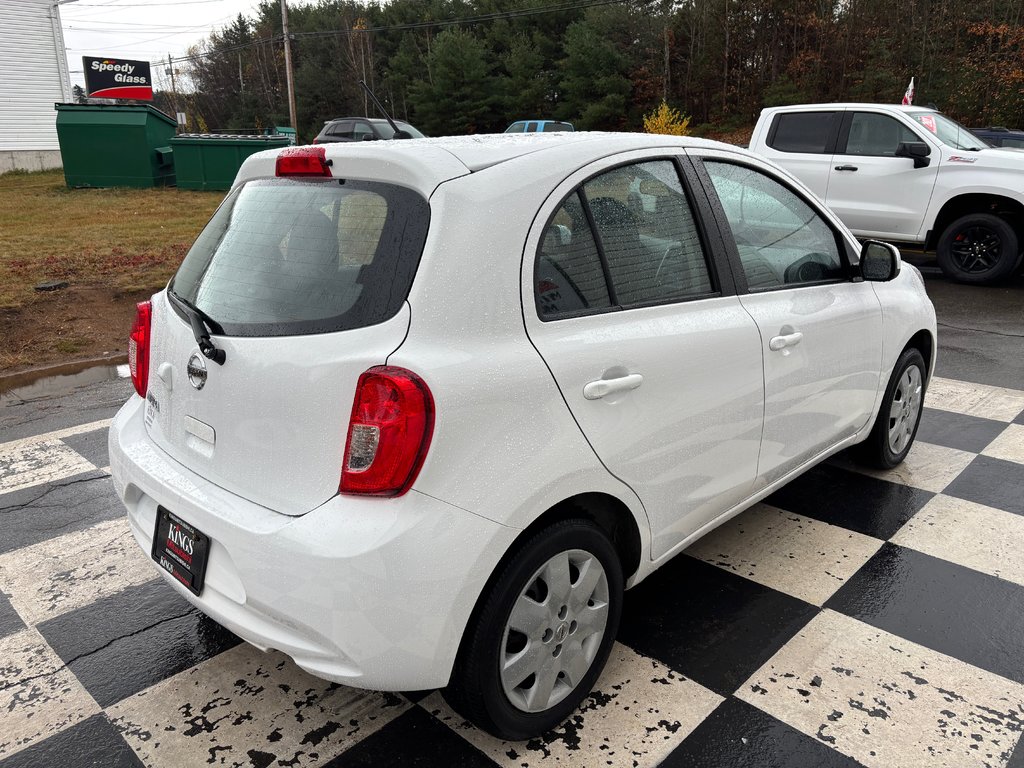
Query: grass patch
{"type": "Point", "coordinates": [127, 240]}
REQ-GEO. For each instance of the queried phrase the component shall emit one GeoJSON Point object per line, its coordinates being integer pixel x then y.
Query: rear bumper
{"type": "Point", "coordinates": [373, 593]}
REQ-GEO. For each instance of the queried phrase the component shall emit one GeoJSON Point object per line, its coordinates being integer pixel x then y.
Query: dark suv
{"type": "Point", "coordinates": [1001, 137]}
{"type": "Point", "coordinates": [362, 129]}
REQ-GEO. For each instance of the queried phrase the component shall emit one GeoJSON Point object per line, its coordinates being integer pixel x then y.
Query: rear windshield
{"type": "Point", "coordinates": [282, 257]}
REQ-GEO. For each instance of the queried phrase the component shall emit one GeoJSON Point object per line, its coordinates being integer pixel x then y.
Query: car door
{"type": "Point", "coordinates": [874, 192]}
{"type": "Point", "coordinates": [646, 339]}
{"type": "Point", "coordinates": [820, 323]}
{"type": "Point", "coordinates": [802, 143]}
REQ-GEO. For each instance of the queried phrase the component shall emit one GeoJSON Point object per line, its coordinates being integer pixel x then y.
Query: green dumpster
{"type": "Point", "coordinates": [115, 145]}
{"type": "Point", "coordinates": [211, 161]}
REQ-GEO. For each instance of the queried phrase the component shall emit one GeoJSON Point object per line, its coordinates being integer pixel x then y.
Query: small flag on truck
{"type": "Point", "coordinates": [908, 97]}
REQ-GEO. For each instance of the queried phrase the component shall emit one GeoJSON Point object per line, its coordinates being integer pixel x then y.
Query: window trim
{"type": "Point", "coordinates": [830, 143]}
{"type": "Point", "coordinates": [699, 209]}
{"type": "Point", "coordinates": [850, 261]}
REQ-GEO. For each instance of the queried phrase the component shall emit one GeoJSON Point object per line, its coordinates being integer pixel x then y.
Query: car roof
{"type": "Point", "coordinates": [368, 119]}
{"type": "Point", "coordinates": [424, 163]}
{"type": "Point", "coordinates": [851, 105]}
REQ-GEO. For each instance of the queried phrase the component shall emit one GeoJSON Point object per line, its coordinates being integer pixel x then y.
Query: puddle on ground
{"type": "Point", "coordinates": [59, 380]}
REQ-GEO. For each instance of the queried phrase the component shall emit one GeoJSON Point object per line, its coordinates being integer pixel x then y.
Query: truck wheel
{"type": "Point", "coordinates": [542, 635]}
{"type": "Point", "coordinates": [978, 248]}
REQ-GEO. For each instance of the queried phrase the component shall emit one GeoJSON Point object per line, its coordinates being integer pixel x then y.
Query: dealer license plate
{"type": "Point", "coordinates": [181, 550]}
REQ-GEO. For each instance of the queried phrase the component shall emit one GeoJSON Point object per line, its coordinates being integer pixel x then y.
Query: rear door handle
{"type": "Point", "coordinates": [846, 167]}
{"type": "Point", "coordinates": [595, 390]}
{"type": "Point", "coordinates": [788, 340]}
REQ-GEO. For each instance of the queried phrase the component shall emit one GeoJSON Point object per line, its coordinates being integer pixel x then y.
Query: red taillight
{"type": "Point", "coordinates": [138, 347]}
{"type": "Point", "coordinates": [303, 161]}
{"type": "Point", "coordinates": [388, 434]}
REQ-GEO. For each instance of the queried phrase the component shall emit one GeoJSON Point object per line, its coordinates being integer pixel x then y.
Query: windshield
{"type": "Point", "coordinates": [949, 132]}
{"type": "Point", "coordinates": [283, 257]}
{"type": "Point", "coordinates": [386, 131]}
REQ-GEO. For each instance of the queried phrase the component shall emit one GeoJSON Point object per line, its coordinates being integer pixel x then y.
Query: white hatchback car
{"type": "Point", "coordinates": [416, 413]}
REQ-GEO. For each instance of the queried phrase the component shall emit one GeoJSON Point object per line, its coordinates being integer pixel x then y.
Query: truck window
{"type": "Point", "coordinates": [808, 132]}
{"type": "Point", "coordinates": [877, 135]}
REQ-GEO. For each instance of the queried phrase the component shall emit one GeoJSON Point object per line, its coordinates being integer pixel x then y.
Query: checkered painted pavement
{"type": "Point", "coordinates": [853, 618]}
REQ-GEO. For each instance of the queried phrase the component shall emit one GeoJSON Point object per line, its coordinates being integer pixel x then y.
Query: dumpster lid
{"type": "Point", "coordinates": [73, 107]}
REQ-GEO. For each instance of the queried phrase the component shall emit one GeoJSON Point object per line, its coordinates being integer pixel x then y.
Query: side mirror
{"type": "Point", "coordinates": [879, 262]}
{"type": "Point", "coordinates": [917, 151]}
{"type": "Point", "coordinates": [367, 137]}
{"type": "Point", "coordinates": [400, 134]}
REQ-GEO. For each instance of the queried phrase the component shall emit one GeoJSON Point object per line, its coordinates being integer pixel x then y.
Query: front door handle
{"type": "Point", "coordinates": [595, 390]}
{"type": "Point", "coordinates": [846, 167]}
{"type": "Point", "coordinates": [788, 340]}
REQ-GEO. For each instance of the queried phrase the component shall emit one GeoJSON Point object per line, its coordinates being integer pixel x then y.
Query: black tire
{"type": "Point", "coordinates": [878, 450]}
{"type": "Point", "coordinates": [978, 248]}
{"type": "Point", "coordinates": [476, 690]}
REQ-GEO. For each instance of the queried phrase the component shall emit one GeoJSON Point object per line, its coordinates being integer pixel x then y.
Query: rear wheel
{"type": "Point", "coordinates": [900, 413]}
{"type": "Point", "coordinates": [978, 248]}
{"type": "Point", "coordinates": [543, 633]}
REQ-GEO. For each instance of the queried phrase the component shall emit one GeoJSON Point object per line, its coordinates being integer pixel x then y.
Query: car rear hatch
{"type": "Point", "coordinates": [303, 284]}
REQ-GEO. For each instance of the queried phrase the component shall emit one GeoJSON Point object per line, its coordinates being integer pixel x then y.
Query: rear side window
{"type": "Point", "coordinates": [807, 132]}
{"type": "Point", "coordinates": [552, 126]}
{"type": "Point", "coordinates": [644, 249]}
{"type": "Point", "coordinates": [283, 257]}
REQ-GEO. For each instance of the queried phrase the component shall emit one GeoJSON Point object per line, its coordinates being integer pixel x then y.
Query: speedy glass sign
{"type": "Point", "coordinates": [107, 78]}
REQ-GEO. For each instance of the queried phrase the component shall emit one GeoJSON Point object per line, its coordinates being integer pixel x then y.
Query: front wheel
{"type": "Point", "coordinates": [900, 413]}
{"type": "Point", "coordinates": [978, 248]}
{"type": "Point", "coordinates": [543, 633]}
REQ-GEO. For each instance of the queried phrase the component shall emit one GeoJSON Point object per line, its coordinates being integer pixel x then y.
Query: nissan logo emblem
{"type": "Point", "coordinates": [197, 370]}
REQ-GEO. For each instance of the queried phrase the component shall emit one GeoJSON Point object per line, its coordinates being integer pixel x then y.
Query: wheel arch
{"type": "Point", "coordinates": [924, 342]}
{"type": "Point", "coordinates": [1006, 208]}
{"type": "Point", "coordinates": [606, 511]}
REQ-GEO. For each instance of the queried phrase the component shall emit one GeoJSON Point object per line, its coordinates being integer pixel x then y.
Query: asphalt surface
{"type": "Point", "coordinates": [856, 618]}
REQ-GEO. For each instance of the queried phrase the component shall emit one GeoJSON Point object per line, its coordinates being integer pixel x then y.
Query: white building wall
{"type": "Point", "coordinates": [34, 76]}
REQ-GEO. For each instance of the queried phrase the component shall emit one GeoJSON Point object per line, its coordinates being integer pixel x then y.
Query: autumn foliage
{"type": "Point", "coordinates": [667, 120]}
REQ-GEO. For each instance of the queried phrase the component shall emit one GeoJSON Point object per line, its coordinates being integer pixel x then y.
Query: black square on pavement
{"type": "Point", "coordinates": [92, 446]}
{"type": "Point", "coordinates": [124, 643]}
{"type": "Point", "coordinates": [992, 482]}
{"type": "Point", "coordinates": [92, 743]}
{"type": "Point", "coordinates": [414, 739]}
{"type": "Point", "coordinates": [713, 626]}
{"type": "Point", "coordinates": [958, 430]}
{"type": "Point", "coordinates": [10, 621]}
{"type": "Point", "coordinates": [738, 735]}
{"type": "Point", "coordinates": [851, 500]}
{"type": "Point", "coordinates": [44, 511]}
{"type": "Point", "coordinates": [963, 613]}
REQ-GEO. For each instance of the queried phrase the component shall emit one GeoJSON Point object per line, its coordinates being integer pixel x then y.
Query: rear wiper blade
{"type": "Point", "coordinates": [202, 324]}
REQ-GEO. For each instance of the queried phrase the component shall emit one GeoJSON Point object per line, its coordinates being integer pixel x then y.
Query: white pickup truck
{"type": "Point", "coordinates": [908, 175]}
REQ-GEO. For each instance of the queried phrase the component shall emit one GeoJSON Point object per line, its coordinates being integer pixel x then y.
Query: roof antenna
{"type": "Point", "coordinates": [399, 133]}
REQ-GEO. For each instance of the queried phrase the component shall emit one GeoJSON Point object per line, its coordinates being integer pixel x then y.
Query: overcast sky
{"type": "Point", "coordinates": [143, 29]}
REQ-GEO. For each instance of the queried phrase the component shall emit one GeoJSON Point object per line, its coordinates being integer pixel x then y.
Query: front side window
{"type": "Point", "coordinates": [782, 241]}
{"type": "Point", "coordinates": [877, 135]}
{"type": "Point", "coordinates": [644, 249]}
{"type": "Point", "coordinates": [806, 132]}
{"type": "Point", "coordinates": [283, 257]}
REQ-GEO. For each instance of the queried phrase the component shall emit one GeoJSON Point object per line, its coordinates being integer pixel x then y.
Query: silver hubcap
{"type": "Point", "coordinates": [554, 631]}
{"type": "Point", "coordinates": [905, 409]}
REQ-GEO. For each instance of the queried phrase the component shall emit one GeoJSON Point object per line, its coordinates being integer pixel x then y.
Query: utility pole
{"type": "Point", "coordinates": [174, 87]}
{"type": "Point", "coordinates": [288, 69]}
{"type": "Point", "coordinates": [241, 82]}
